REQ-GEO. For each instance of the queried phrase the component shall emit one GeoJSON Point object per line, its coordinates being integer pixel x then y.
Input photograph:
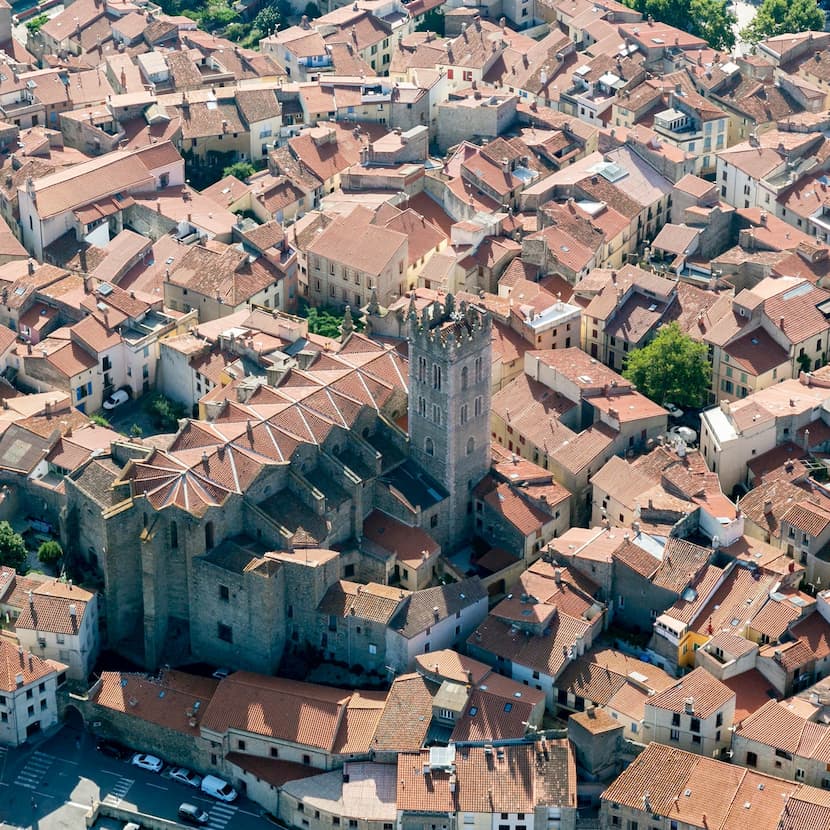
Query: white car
{"type": "Point", "coordinates": [186, 776]}
{"type": "Point", "coordinates": [686, 433]}
{"type": "Point", "coordinates": [148, 762]}
{"type": "Point", "coordinates": [116, 399]}
{"type": "Point", "coordinates": [221, 674]}
{"type": "Point", "coordinates": [674, 411]}
{"type": "Point", "coordinates": [219, 789]}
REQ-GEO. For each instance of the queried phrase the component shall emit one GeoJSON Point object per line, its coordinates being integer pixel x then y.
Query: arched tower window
{"type": "Point", "coordinates": [471, 445]}
{"type": "Point", "coordinates": [429, 447]}
{"type": "Point", "coordinates": [464, 377]}
{"type": "Point", "coordinates": [208, 535]}
{"type": "Point", "coordinates": [174, 535]}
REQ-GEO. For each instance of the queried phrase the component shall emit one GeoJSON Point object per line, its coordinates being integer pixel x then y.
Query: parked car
{"type": "Point", "coordinates": [674, 411]}
{"type": "Point", "coordinates": [221, 674]}
{"type": "Point", "coordinates": [116, 399]}
{"type": "Point", "coordinates": [193, 814]}
{"type": "Point", "coordinates": [186, 776]}
{"type": "Point", "coordinates": [148, 762]}
{"type": "Point", "coordinates": [113, 749]}
{"type": "Point", "coordinates": [686, 433]}
{"type": "Point", "coordinates": [219, 789]}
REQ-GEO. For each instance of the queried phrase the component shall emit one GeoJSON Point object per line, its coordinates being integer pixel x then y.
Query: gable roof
{"type": "Point", "coordinates": [418, 613]}
{"type": "Point", "coordinates": [14, 662]}
{"type": "Point", "coordinates": [705, 692]}
{"type": "Point", "coordinates": [301, 713]}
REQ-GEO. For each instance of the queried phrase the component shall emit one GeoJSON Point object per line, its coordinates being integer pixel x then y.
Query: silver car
{"type": "Point", "coordinates": [148, 762]}
{"type": "Point", "coordinates": [186, 776]}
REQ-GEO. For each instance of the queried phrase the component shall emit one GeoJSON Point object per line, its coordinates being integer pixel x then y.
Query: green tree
{"type": "Point", "coordinates": [164, 412]}
{"type": "Point", "coordinates": [13, 551]}
{"type": "Point", "coordinates": [778, 17]}
{"type": "Point", "coordinates": [673, 367]}
{"type": "Point", "coordinates": [312, 11]}
{"type": "Point", "coordinates": [325, 321]}
{"type": "Point", "coordinates": [35, 24]}
{"type": "Point", "coordinates": [673, 12]}
{"type": "Point", "coordinates": [240, 169]}
{"type": "Point", "coordinates": [268, 19]}
{"type": "Point", "coordinates": [216, 14]}
{"type": "Point", "coordinates": [50, 553]}
{"type": "Point", "coordinates": [710, 19]}
{"type": "Point", "coordinates": [714, 21]}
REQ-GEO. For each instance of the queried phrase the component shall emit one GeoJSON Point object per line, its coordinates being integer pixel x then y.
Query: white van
{"type": "Point", "coordinates": [216, 787]}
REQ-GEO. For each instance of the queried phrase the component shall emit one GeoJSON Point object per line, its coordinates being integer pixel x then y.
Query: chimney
{"type": "Point", "coordinates": [781, 323]}
{"type": "Point", "coordinates": [767, 507]}
{"type": "Point", "coordinates": [31, 267]}
{"type": "Point", "coordinates": [435, 613]}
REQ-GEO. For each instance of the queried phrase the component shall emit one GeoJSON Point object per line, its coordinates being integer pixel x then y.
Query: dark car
{"type": "Point", "coordinates": [193, 814]}
{"type": "Point", "coordinates": [113, 749]}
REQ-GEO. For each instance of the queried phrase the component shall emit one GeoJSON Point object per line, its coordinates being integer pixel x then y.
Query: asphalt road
{"type": "Point", "coordinates": [51, 786]}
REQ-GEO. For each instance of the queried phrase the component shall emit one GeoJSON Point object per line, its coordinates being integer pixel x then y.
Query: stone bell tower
{"type": "Point", "coordinates": [449, 402]}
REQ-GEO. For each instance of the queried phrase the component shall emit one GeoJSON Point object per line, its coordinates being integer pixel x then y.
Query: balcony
{"type": "Point", "coordinates": [677, 126]}
{"type": "Point", "coordinates": [18, 109]}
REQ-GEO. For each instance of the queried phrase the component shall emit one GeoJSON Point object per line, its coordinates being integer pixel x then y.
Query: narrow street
{"type": "Point", "coordinates": [50, 787]}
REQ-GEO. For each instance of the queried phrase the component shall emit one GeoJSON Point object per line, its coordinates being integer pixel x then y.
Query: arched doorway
{"type": "Point", "coordinates": [73, 718]}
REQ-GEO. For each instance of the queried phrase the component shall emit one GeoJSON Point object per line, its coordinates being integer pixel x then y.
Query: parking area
{"type": "Point", "coordinates": [52, 785]}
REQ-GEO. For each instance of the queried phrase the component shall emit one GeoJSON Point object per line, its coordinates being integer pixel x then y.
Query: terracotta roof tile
{"type": "Point", "coordinates": [411, 545]}
{"type": "Point", "coordinates": [407, 715]}
{"type": "Point", "coordinates": [489, 781]}
{"type": "Point", "coordinates": [359, 723]}
{"type": "Point", "coordinates": [301, 713]}
{"type": "Point", "coordinates": [708, 692]}
{"type": "Point", "coordinates": [814, 632]}
{"type": "Point", "coordinates": [546, 653]}
{"type": "Point", "coordinates": [686, 787]}
{"type": "Point", "coordinates": [774, 725]}
{"type": "Point", "coordinates": [164, 701]}
{"type": "Point", "coordinates": [14, 662]}
{"type": "Point", "coordinates": [54, 614]}
{"type": "Point", "coordinates": [418, 613]}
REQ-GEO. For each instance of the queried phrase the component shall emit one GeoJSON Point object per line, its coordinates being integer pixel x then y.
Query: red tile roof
{"type": "Point", "coordinates": [15, 661]}
{"type": "Point", "coordinates": [408, 544]}
{"type": "Point", "coordinates": [165, 701]}
{"type": "Point", "coordinates": [302, 713]}
{"type": "Point", "coordinates": [707, 692]}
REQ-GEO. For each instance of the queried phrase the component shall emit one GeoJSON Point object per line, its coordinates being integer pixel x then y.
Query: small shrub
{"type": "Point", "coordinates": [50, 553]}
